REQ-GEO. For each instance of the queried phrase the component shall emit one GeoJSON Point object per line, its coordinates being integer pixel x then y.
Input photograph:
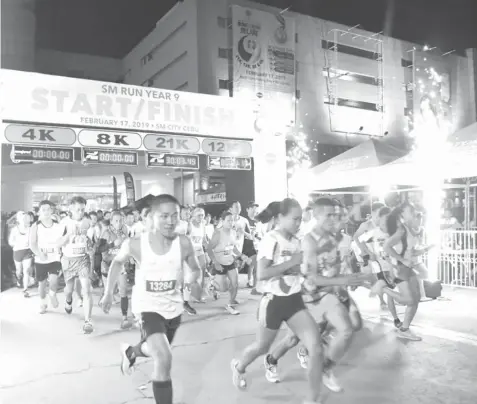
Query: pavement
{"type": "Point", "coordinates": [46, 359]}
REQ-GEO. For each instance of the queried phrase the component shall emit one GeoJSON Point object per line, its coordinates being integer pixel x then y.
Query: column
{"type": "Point", "coordinates": [270, 168]}
{"type": "Point", "coordinates": [18, 35]}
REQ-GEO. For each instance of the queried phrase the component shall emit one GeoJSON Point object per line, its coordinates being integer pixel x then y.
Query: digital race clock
{"type": "Point", "coordinates": [109, 157]}
{"type": "Point", "coordinates": [42, 154]}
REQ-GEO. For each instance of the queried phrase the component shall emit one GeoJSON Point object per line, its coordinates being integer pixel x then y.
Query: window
{"type": "Point", "coordinates": [146, 59]}
{"type": "Point", "coordinates": [224, 84]}
{"type": "Point", "coordinates": [225, 53]}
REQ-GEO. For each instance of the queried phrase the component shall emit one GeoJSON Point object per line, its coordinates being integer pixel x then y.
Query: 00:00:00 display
{"type": "Point", "coordinates": [117, 158]}
{"type": "Point", "coordinates": [51, 154]}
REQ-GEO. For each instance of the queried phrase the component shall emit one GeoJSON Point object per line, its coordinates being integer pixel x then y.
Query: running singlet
{"type": "Point", "coordinates": [77, 245]}
{"type": "Point", "coordinates": [375, 240]}
{"type": "Point", "coordinates": [224, 251]}
{"type": "Point", "coordinates": [197, 235]}
{"type": "Point", "coordinates": [20, 241]}
{"type": "Point", "coordinates": [276, 248]}
{"type": "Point", "coordinates": [158, 280]}
{"type": "Point", "coordinates": [240, 225]}
{"type": "Point", "coordinates": [47, 239]}
{"type": "Point", "coordinates": [110, 236]}
{"type": "Point", "coordinates": [412, 243]}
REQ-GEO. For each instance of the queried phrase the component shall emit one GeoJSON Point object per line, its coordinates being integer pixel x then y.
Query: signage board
{"type": "Point", "coordinates": [171, 143]}
{"type": "Point", "coordinates": [229, 163]}
{"type": "Point", "coordinates": [116, 140]}
{"type": "Point", "coordinates": [218, 197]}
{"type": "Point", "coordinates": [109, 157]}
{"type": "Point", "coordinates": [226, 147]}
{"type": "Point", "coordinates": [55, 100]}
{"type": "Point", "coordinates": [169, 160]}
{"type": "Point", "coordinates": [22, 153]}
{"type": "Point", "coordinates": [43, 135]}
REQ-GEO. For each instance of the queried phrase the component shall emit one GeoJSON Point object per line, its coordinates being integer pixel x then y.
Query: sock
{"type": "Point", "coordinates": [134, 352]}
{"type": "Point", "coordinates": [162, 392]}
{"type": "Point", "coordinates": [328, 364]}
{"type": "Point", "coordinates": [271, 360]}
{"type": "Point", "coordinates": [124, 306]}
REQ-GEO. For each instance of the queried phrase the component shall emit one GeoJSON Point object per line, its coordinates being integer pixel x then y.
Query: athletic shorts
{"type": "Point", "coordinates": [225, 269]}
{"type": "Point", "coordinates": [391, 284]}
{"type": "Point", "coordinates": [43, 270]}
{"type": "Point", "coordinates": [22, 255]}
{"type": "Point", "coordinates": [153, 323]}
{"type": "Point", "coordinates": [274, 310]}
{"type": "Point", "coordinates": [76, 267]}
{"type": "Point", "coordinates": [248, 248]}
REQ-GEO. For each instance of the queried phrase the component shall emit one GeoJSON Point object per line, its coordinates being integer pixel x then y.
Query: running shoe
{"type": "Point", "coordinates": [26, 294]}
{"type": "Point", "coordinates": [43, 308]}
{"type": "Point", "coordinates": [331, 382]}
{"type": "Point", "coordinates": [408, 334]}
{"type": "Point", "coordinates": [54, 300]}
{"type": "Point", "coordinates": [238, 378]}
{"type": "Point", "coordinates": [88, 327]}
{"type": "Point", "coordinates": [69, 307]}
{"type": "Point", "coordinates": [232, 310]}
{"type": "Point", "coordinates": [126, 324]}
{"type": "Point", "coordinates": [302, 356]}
{"type": "Point", "coordinates": [397, 323]}
{"type": "Point", "coordinates": [127, 363]}
{"type": "Point", "coordinates": [271, 371]}
{"type": "Point", "coordinates": [190, 310]}
{"type": "Point", "coordinates": [255, 292]}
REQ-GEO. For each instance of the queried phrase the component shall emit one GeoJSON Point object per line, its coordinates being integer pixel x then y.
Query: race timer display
{"type": "Point", "coordinates": [110, 157]}
{"type": "Point", "coordinates": [42, 154]}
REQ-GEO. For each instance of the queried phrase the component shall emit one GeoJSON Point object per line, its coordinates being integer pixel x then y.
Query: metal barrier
{"type": "Point", "coordinates": [458, 258]}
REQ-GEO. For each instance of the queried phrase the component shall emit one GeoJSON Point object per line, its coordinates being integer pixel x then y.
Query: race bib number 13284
{"type": "Point", "coordinates": [160, 286]}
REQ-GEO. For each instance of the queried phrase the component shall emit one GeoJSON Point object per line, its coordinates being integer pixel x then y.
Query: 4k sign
{"type": "Point", "coordinates": [40, 135]}
{"type": "Point", "coordinates": [121, 140]}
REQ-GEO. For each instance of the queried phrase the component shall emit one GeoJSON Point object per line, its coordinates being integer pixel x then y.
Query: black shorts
{"type": "Point", "coordinates": [43, 270]}
{"type": "Point", "coordinates": [225, 269]}
{"type": "Point", "coordinates": [249, 249]}
{"type": "Point", "coordinates": [153, 323]}
{"type": "Point", "coordinates": [391, 284]}
{"type": "Point", "coordinates": [22, 255]}
{"type": "Point", "coordinates": [274, 310]}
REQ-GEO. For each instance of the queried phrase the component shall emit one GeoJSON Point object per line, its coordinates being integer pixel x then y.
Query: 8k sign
{"type": "Point", "coordinates": [110, 140]}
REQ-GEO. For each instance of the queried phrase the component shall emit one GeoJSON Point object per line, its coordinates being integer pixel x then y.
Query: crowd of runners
{"type": "Point", "coordinates": [167, 260]}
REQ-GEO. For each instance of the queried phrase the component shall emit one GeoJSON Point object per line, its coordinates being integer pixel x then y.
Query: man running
{"type": "Point", "coordinates": [198, 236]}
{"type": "Point", "coordinates": [365, 254]}
{"type": "Point", "coordinates": [223, 251]}
{"type": "Point", "coordinates": [76, 259]}
{"type": "Point", "coordinates": [44, 237]}
{"type": "Point", "coordinates": [109, 245]}
{"type": "Point", "coordinates": [156, 297]}
{"type": "Point", "coordinates": [322, 263]}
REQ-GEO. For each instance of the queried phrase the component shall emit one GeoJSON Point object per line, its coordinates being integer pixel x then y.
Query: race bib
{"type": "Point", "coordinates": [160, 286]}
{"type": "Point", "coordinates": [78, 250]}
{"type": "Point", "coordinates": [114, 251]}
{"type": "Point", "coordinates": [49, 250]}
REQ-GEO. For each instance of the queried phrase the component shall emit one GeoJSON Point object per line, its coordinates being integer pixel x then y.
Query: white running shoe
{"type": "Point", "coordinates": [303, 358]}
{"type": "Point", "coordinates": [127, 365]}
{"type": "Point", "coordinates": [54, 300]}
{"type": "Point", "coordinates": [232, 310]}
{"type": "Point", "coordinates": [126, 324]}
{"type": "Point", "coordinates": [238, 378]}
{"type": "Point", "coordinates": [331, 382]}
{"type": "Point", "coordinates": [271, 371]}
{"type": "Point", "coordinates": [408, 334]}
{"type": "Point", "coordinates": [43, 308]}
{"type": "Point", "coordinates": [88, 327]}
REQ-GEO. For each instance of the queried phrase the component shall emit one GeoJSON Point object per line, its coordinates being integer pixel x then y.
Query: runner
{"type": "Point", "coordinates": [222, 250]}
{"type": "Point", "coordinates": [401, 248]}
{"type": "Point", "coordinates": [75, 262]}
{"type": "Point", "coordinates": [129, 223]}
{"type": "Point", "coordinates": [198, 236]}
{"type": "Point", "coordinates": [156, 297]}
{"type": "Point", "coordinates": [109, 245]}
{"type": "Point", "coordinates": [19, 240]}
{"type": "Point", "coordinates": [44, 238]}
{"type": "Point", "coordinates": [94, 233]}
{"type": "Point", "coordinates": [249, 246]}
{"type": "Point", "coordinates": [365, 254]}
{"type": "Point", "coordinates": [242, 231]}
{"type": "Point", "coordinates": [325, 288]}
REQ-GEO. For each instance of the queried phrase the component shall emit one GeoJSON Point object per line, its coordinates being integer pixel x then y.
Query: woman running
{"type": "Point", "coordinates": [279, 275]}
{"type": "Point", "coordinates": [19, 240]}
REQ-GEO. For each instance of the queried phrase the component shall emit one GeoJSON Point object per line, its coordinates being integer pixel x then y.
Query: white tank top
{"type": "Point", "coordinates": [47, 239]}
{"type": "Point", "coordinates": [77, 246]}
{"type": "Point", "coordinates": [21, 241]}
{"type": "Point", "coordinates": [278, 249]}
{"type": "Point", "coordinates": [197, 235]}
{"type": "Point", "coordinates": [224, 250]}
{"type": "Point", "coordinates": [412, 242]}
{"type": "Point", "coordinates": [158, 280]}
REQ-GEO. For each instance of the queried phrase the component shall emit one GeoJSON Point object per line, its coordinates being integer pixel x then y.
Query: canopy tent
{"type": "Point", "coordinates": [352, 168]}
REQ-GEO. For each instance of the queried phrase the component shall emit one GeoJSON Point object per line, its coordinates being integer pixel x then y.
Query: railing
{"type": "Point", "coordinates": [458, 258]}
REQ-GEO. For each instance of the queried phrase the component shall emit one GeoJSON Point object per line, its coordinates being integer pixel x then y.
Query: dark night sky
{"type": "Point", "coordinates": [113, 27]}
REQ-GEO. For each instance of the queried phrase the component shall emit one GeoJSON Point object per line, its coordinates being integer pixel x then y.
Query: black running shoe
{"type": "Point", "coordinates": [190, 310]}
{"type": "Point", "coordinates": [127, 363]}
{"type": "Point", "coordinates": [397, 323]}
{"type": "Point", "coordinates": [69, 307]}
